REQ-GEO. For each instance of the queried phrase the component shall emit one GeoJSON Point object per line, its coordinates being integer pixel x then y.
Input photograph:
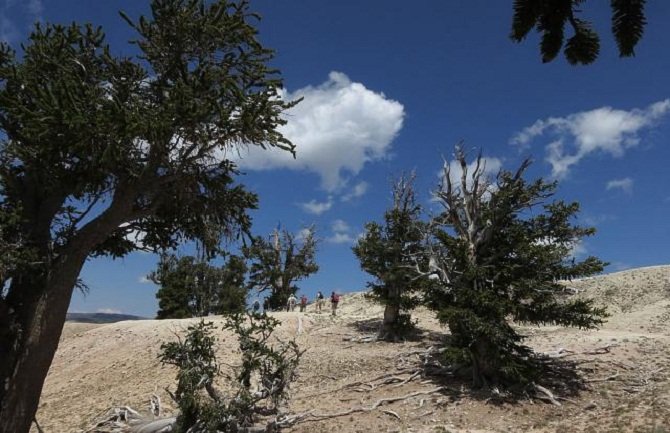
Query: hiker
{"type": "Point", "coordinates": [303, 303]}
{"type": "Point", "coordinates": [266, 305]}
{"type": "Point", "coordinates": [256, 305]}
{"type": "Point", "coordinates": [334, 300]}
{"type": "Point", "coordinates": [292, 301]}
{"type": "Point", "coordinates": [319, 302]}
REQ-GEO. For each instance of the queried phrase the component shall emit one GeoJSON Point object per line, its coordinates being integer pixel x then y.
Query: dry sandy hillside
{"type": "Point", "coordinates": [625, 368]}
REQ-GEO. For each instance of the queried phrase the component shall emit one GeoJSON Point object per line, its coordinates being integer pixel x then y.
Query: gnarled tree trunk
{"type": "Point", "coordinates": [389, 328]}
{"type": "Point", "coordinates": [36, 312]}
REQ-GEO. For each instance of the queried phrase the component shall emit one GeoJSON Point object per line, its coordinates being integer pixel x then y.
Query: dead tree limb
{"type": "Point", "coordinates": [548, 394]}
{"type": "Point", "coordinates": [311, 416]}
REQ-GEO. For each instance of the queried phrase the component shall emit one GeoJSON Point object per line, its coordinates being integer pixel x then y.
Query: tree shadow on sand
{"type": "Point", "coordinates": [414, 333]}
{"type": "Point", "coordinates": [557, 381]}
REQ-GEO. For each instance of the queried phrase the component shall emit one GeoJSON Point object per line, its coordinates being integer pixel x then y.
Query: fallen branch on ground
{"type": "Point", "coordinates": [361, 339]}
{"type": "Point", "coordinates": [604, 379]}
{"type": "Point", "coordinates": [548, 394]}
{"type": "Point", "coordinates": [310, 416]}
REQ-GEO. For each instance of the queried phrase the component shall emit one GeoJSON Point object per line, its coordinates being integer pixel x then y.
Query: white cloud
{"type": "Point", "coordinates": [108, 311]}
{"type": "Point", "coordinates": [490, 166]}
{"type": "Point", "coordinates": [341, 233]}
{"type": "Point", "coordinates": [605, 130]}
{"type": "Point", "coordinates": [341, 238]}
{"type": "Point", "coordinates": [340, 226]}
{"type": "Point", "coordinates": [338, 127]}
{"type": "Point", "coordinates": [317, 208]}
{"type": "Point", "coordinates": [144, 280]}
{"type": "Point", "coordinates": [578, 249]}
{"type": "Point", "coordinates": [357, 191]}
{"type": "Point", "coordinates": [303, 233]}
{"type": "Point", "coordinates": [625, 184]}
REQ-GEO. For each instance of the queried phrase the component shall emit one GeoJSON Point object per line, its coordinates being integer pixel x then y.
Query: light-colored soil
{"type": "Point", "coordinates": [102, 366]}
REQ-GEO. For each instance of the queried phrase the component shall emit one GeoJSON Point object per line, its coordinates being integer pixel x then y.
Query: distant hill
{"type": "Point", "coordinates": [100, 317]}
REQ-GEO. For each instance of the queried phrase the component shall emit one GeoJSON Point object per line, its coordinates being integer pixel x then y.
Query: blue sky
{"type": "Point", "coordinates": [391, 86]}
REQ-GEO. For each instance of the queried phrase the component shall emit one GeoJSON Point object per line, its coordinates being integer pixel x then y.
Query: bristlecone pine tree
{"type": "Point", "coordinates": [500, 249]}
{"type": "Point", "coordinates": [95, 147]}
{"type": "Point", "coordinates": [550, 18]}
{"type": "Point", "coordinates": [387, 251]}
{"type": "Point", "coordinates": [279, 261]}
{"type": "Point", "coordinates": [191, 287]}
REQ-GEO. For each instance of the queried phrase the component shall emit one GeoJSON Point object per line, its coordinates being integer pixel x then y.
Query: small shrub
{"type": "Point", "coordinates": [260, 384]}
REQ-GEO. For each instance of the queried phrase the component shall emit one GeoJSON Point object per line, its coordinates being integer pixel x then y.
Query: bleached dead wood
{"type": "Point", "coordinates": [311, 416]}
{"type": "Point", "coordinates": [604, 379]}
{"type": "Point", "coordinates": [163, 425]}
{"type": "Point", "coordinates": [361, 339]}
{"type": "Point", "coordinates": [392, 413]}
{"type": "Point", "coordinates": [155, 404]}
{"type": "Point", "coordinates": [548, 394]}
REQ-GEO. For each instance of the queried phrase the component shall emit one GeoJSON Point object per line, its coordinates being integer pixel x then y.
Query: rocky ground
{"type": "Point", "coordinates": [625, 370]}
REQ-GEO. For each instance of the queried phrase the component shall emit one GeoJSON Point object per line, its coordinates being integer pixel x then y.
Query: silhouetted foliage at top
{"type": "Point", "coordinates": [551, 17]}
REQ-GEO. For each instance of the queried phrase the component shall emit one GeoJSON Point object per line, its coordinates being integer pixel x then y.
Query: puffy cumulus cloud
{"type": "Point", "coordinates": [338, 127]}
{"type": "Point", "coordinates": [342, 233]}
{"type": "Point", "coordinates": [625, 185]}
{"type": "Point", "coordinates": [606, 129]}
{"type": "Point", "coordinates": [317, 208]}
{"type": "Point", "coordinates": [303, 233]}
{"type": "Point", "coordinates": [357, 191]}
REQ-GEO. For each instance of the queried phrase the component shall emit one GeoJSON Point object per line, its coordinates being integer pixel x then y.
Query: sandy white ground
{"type": "Point", "coordinates": [101, 366]}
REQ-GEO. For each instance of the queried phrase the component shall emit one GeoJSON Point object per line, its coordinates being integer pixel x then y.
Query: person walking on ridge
{"type": "Point", "coordinates": [334, 300]}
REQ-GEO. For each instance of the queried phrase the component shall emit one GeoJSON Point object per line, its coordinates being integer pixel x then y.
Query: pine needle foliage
{"type": "Point", "coordinates": [388, 251]}
{"type": "Point", "coordinates": [257, 389]}
{"type": "Point", "coordinates": [279, 261]}
{"type": "Point", "coordinates": [502, 247]}
{"type": "Point", "coordinates": [550, 18]}
{"type": "Point", "coordinates": [191, 287]}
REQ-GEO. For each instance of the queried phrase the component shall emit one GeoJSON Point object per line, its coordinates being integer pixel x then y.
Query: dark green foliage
{"type": "Point", "coordinates": [260, 385]}
{"type": "Point", "coordinates": [628, 23]}
{"type": "Point", "coordinates": [388, 251]}
{"type": "Point", "coordinates": [279, 261]}
{"type": "Point", "coordinates": [95, 148]}
{"type": "Point", "coordinates": [551, 16]}
{"type": "Point", "coordinates": [501, 248]}
{"type": "Point", "coordinates": [194, 288]}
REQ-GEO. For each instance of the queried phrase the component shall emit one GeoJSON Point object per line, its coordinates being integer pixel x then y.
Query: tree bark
{"type": "Point", "coordinates": [388, 330]}
{"type": "Point", "coordinates": [39, 311]}
{"type": "Point", "coordinates": [35, 309]}
{"type": "Point", "coordinates": [485, 363]}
